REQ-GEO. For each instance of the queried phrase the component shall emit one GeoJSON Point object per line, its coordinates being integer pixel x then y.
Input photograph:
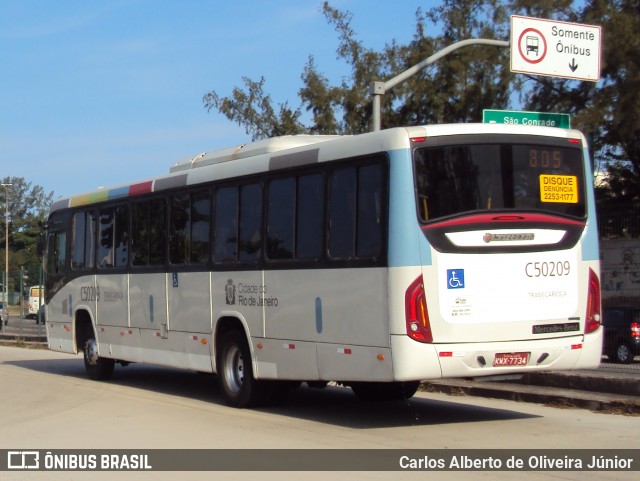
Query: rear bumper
{"type": "Point", "coordinates": [417, 361]}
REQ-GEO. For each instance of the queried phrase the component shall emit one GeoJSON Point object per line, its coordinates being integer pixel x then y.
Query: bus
{"type": "Point", "coordinates": [35, 299]}
{"type": "Point", "coordinates": [373, 261]}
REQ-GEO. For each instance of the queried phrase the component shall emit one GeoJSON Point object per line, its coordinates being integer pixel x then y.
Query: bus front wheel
{"type": "Point", "coordinates": [98, 368]}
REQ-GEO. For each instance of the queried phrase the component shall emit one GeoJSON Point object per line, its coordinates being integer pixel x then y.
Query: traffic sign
{"type": "Point", "coordinates": [520, 117]}
{"type": "Point", "coordinates": [553, 48]}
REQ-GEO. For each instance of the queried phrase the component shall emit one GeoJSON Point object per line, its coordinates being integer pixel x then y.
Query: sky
{"type": "Point", "coordinates": [102, 93]}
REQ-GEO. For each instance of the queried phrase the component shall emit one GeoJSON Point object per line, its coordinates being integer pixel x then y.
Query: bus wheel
{"type": "Point", "coordinates": [384, 391]}
{"type": "Point", "coordinates": [98, 368]}
{"type": "Point", "coordinates": [235, 374]}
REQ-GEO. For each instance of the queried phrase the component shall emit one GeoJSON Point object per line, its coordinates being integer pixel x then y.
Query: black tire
{"type": "Point", "coordinates": [384, 391]}
{"type": "Point", "coordinates": [622, 353]}
{"type": "Point", "coordinates": [235, 373]}
{"type": "Point", "coordinates": [98, 368]}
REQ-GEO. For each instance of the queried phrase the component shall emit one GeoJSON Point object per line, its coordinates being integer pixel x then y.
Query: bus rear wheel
{"type": "Point", "coordinates": [384, 391]}
{"type": "Point", "coordinates": [98, 368]}
{"type": "Point", "coordinates": [235, 373]}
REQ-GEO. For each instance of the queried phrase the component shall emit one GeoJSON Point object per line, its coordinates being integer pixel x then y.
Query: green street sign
{"type": "Point", "coordinates": [539, 119]}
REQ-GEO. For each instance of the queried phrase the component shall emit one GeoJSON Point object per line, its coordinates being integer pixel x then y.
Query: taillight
{"type": "Point", "coordinates": [635, 329]}
{"type": "Point", "coordinates": [593, 304]}
{"type": "Point", "coordinates": [417, 316]}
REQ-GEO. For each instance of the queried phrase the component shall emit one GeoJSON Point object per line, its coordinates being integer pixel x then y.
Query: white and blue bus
{"type": "Point", "coordinates": [374, 261]}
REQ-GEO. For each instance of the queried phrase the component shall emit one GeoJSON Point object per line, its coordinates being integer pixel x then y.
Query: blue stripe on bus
{"type": "Point", "coordinates": [590, 247]}
{"type": "Point", "coordinates": [118, 193]}
{"type": "Point", "coordinates": [406, 240]}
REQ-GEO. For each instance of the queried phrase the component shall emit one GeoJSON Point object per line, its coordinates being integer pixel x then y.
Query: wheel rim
{"type": "Point", "coordinates": [234, 369]}
{"type": "Point", "coordinates": [623, 352]}
{"type": "Point", "coordinates": [91, 352]}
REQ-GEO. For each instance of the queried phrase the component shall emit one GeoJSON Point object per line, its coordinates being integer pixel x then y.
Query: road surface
{"type": "Point", "coordinates": [47, 403]}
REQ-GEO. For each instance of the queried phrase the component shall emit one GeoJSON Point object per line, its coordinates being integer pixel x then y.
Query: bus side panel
{"type": "Point", "coordinates": [242, 293]}
{"type": "Point", "coordinates": [81, 293]}
{"type": "Point", "coordinates": [164, 348]}
{"type": "Point", "coordinates": [121, 343]}
{"type": "Point", "coordinates": [148, 301]}
{"type": "Point", "coordinates": [336, 306]}
{"type": "Point", "coordinates": [116, 339]}
{"type": "Point", "coordinates": [354, 363]}
{"type": "Point", "coordinates": [285, 359]}
{"type": "Point", "coordinates": [148, 313]}
{"type": "Point", "coordinates": [190, 302]}
{"type": "Point", "coordinates": [190, 313]}
{"type": "Point", "coordinates": [113, 300]}
{"type": "Point", "coordinates": [199, 351]}
{"type": "Point", "coordinates": [343, 315]}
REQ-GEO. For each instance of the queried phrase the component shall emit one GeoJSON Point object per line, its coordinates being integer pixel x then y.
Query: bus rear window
{"type": "Point", "coordinates": [464, 178]}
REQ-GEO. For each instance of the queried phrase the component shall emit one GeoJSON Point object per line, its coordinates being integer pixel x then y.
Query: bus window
{"type": "Point", "coordinates": [473, 177]}
{"type": "Point", "coordinates": [56, 253]}
{"type": "Point", "coordinates": [226, 225]}
{"type": "Point", "coordinates": [200, 227]}
{"type": "Point", "coordinates": [83, 232]}
{"type": "Point", "coordinates": [148, 233]}
{"type": "Point", "coordinates": [342, 214]}
{"type": "Point", "coordinates": [250, 222]}
{"type": "Point", "coordinates": [310, 217]}
{"type": "Point", "coordinates": [281, 218]}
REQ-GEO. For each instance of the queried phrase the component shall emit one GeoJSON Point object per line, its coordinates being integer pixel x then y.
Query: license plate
{"type": "Point", "coordinates": [511, 359]}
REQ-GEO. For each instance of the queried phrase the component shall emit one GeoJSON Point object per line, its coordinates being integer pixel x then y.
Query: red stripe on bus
{"type": "Point", "coordinates": [142, 188]}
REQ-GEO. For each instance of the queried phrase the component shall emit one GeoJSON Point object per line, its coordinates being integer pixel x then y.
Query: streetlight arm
{"type": "Point", "coordinates": [379, 88]}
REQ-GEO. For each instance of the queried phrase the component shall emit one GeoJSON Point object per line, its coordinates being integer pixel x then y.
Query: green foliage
{"type": "Point", "coordinates": [253, 109]}
{"type": "Point", "coordinates": [455, 91]}
{"type": "Point", "coordinates": [460, 86]}
{"type": "Point", "coordinates": [28, 206]}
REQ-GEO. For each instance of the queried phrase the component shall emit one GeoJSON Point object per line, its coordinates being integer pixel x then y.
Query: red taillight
{"type": "Point", "coordinates": [418, 139]}
{"type": "Point", "coordinates": [593, 304]}
{"type": "Point", "coordinates": [417, 316]}
{"type": "Point", "coordinates": [635, 329]}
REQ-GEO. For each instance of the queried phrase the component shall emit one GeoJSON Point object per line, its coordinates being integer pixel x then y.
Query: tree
{"type": "Point", "coordinates": [28, 206]}
{"type": "Point", "coordinates": [609, 111]}
{"type": "Point", "coordinates": [455, 91]}
{"type": "Point", "coordinates": [460, 86]}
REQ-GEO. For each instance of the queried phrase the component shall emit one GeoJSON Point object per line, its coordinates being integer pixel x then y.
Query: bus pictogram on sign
{"type": "Point", "coordinates": [532, 46]}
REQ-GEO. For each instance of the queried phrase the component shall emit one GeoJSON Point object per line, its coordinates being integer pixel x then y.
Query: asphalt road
{"type": "Point", "coordinates": [46, 402]}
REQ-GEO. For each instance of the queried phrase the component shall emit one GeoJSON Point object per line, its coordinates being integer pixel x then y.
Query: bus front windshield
{"type": "Point", "coordinates": [468, 178]}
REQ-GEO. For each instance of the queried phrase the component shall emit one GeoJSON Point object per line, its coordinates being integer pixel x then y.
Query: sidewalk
{"type": "Point", "coordinates": [611, 388]}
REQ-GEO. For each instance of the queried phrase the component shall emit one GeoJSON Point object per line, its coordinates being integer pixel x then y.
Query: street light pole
{"type": "Point", "coordinates": [6, 249]}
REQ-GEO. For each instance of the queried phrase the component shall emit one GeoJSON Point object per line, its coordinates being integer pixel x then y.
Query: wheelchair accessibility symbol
{"type": "Point", "coordinates": [455, 278]}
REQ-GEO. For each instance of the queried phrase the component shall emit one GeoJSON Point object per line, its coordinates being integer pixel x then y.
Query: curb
{"type": "Point", "coordinates": [13, 340]}
{"type": "Point", "coordinates": [548, 394]}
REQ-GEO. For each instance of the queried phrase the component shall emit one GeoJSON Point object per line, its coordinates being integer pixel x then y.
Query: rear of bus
{"type": "Point", "coordinates": [36, 297]}
{"type": "Point", "coordinates": [509, 276]}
